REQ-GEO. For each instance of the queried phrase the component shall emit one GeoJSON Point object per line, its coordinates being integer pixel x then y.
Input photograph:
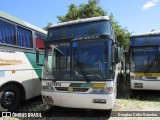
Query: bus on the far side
{"type": "Point", "coordinates": [19, 74]}
{"type": "Point", "coordinates": [144, 61]}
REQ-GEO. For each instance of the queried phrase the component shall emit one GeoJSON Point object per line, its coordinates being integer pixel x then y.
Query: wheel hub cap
{"type": "Point", "coordinates": [7, 99]}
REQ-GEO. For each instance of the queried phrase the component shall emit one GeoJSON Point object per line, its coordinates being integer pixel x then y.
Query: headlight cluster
{"type": "Point", "coordinates": [47, 88]}
{"type": "Point", "coordinates": [106, 90]}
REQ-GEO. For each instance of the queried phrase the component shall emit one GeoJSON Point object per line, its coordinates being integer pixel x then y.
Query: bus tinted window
{"type": "Point", "coordinates": [24, 37]}
{"type": "Point", "coordinates": [80, 30]}
{"type": "Point", "coordinates": [145, 40]}
{"type": "Point", "coordinates": [7, 33]}
{"type": "Point", "coordinates": [40, 36]}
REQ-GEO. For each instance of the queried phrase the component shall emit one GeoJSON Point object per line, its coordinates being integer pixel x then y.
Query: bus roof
{"type": "Point", "coordinates": [21, 22]}
{"type": "Point", "coordinates": [146, 34]}
{"type": "Point", "coordinates": [80, 21]}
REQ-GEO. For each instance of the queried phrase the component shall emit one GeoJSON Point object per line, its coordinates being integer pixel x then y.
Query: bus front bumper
{"type": "Point", "coordinates": [137, 84]}
{"type": "Point", "coordinates": [76, 100]}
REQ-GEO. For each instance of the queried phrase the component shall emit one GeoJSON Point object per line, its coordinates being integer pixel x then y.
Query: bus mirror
{"type": "Point", "coordinates": [37, 58]}
{"type": "Point", "coordinates": [121, 55]}
{"type": "Point", "coordinates": [116, 56]}
{"type": "Point", "coordinates": [116, 43]}
{"type": "Point", "coordinates": [126, 53]}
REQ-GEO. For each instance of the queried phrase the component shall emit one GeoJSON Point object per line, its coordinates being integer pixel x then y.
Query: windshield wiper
{"type": "Point", "coordinates": [81, 70]}
{"type": "Point", "coordinates": [150, 66]}
{"type": "Point", "coordinates": [2, 41]}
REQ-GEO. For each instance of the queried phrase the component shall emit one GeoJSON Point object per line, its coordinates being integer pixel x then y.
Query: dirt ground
{"type": "Point", "coordinates": [144, 105]}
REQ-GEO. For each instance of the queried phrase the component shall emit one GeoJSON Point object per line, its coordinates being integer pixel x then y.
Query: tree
{"type": "Point", "coordinates": [122, 34]}
{"type": "Point", "coordinates": [92, 9]}
{"type": "Point", "coordinates": [48, 25]}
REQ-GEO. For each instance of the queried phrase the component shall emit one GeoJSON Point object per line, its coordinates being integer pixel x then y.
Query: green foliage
{"type": "Point", "coordinates": [48, 25]}
{"type": "Point", "coordinates": [92, 9]}
{"type": "Point", "coordinates": [122, 34]}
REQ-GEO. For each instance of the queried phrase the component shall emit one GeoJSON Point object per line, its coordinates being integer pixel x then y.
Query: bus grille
{"type": "Point", "coordinates": [73, 89]}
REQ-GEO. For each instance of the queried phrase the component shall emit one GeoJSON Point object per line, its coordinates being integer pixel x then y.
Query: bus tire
{"type": "Point", "coordinates": [9, 98]}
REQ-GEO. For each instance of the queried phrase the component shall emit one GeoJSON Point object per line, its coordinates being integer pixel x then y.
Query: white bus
{"type": "Point", "coordinates": [19, 74]}
{"type": "Point", "coordinates": [145, 61]}
{"type": "Point", "coordinates": [83, 69]}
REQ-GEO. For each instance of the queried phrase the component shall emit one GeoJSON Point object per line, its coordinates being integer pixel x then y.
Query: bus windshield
{"type": "Point", "coordinates": [80, 60]}
{"type": "Point", "coordinates": [144, 60]}
{"type": "Point", "coordinates": [145, 40]}
{"type": "Point", "coordinates": [79, 30]}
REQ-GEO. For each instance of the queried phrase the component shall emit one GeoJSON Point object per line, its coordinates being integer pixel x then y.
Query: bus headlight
{"type": "Point", "coordinates": [98, 90]}
{"type": "Point", "coordinates": [109, 90]}
{"type": "Point", "coordinates": [102, 90]}
{"type": "Point", "coordinates": [44, 88]}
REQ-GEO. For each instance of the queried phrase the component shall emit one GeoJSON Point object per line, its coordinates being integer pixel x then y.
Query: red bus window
{"type": "Point", "coordinates": [39, 43]}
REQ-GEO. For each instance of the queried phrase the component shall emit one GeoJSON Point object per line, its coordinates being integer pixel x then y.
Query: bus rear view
{"type": "Point", "coordinates": [81, 72]}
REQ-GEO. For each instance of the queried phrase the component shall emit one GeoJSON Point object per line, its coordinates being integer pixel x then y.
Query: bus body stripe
{"type": "Point", "coordinates": [147, 74]}
{"type": "Point", "coordinates": [86, 85]}
{"type": "Point", "coordinates": [32, 58]}
{"type": "Point", "coordinates": [83, 85]}
{"type": "Point", "coordinates": [98, 85]}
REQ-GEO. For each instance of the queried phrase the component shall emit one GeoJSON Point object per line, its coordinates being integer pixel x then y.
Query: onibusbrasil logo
{"type": "Point", "coordinates": [21, 115]}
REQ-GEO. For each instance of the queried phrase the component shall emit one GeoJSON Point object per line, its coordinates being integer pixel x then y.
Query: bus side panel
{"type": "Point", "coordinates": [37, 72]}
{"type": "Point", "coordinates": [14, 66]}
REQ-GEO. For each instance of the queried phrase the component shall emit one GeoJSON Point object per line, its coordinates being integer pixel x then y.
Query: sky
{"type": "Point", "coordinates": [138, 16]}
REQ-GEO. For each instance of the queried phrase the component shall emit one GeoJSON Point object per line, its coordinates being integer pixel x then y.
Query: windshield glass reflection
{"type": "Point", "coordinates": [145, 60]}
{"type": "Point", "coordinates": [80, 60]}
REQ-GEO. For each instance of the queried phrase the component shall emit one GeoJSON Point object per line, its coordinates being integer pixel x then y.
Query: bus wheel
{"type": "Point", "coordinates": [9, 98]}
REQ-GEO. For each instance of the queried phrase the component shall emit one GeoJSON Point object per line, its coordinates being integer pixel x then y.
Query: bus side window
{"type": "Point", "coordinates": [24, 37]}
{"type": "Point", "coordinates": [39, 41]}
{"type": "Point", "coordinates": [7, 33]}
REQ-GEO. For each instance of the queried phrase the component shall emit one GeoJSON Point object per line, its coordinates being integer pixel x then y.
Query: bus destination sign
{"type": "Point", "coordinates": [86, 38]}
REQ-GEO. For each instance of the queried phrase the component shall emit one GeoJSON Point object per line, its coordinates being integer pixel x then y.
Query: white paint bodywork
{"type": "Point", "coordinates": [24, 73]}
